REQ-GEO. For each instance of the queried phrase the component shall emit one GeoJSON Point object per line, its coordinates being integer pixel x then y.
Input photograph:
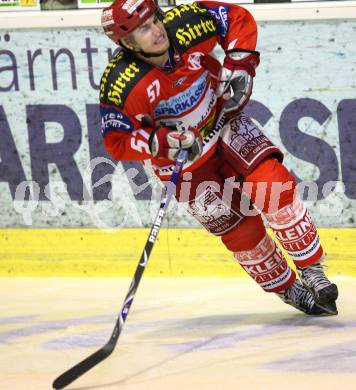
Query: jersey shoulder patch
{"type": "Point", "coordinates": [188, 24]}
{"type": "Point", "coordinates": [123, 72]}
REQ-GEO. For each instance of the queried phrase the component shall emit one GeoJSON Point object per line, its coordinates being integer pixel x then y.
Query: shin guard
{"type": "Point", "coordinates": [296, 232]}
{"type": "Point", "coordinates": [267, 266]}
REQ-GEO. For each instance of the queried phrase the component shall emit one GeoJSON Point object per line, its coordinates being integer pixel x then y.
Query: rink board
{"type": "Point", "coordinates": [177, 252]}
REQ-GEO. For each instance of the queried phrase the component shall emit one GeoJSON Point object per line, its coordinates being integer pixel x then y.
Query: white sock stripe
{"type": "Point", "coordinates": [272, 284]}
{"type": "Point", "coordinates": [307, 252]}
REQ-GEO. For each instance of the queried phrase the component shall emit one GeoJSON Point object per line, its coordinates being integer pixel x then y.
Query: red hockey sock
{"type": "Point", "coordinates": [296, 232]}
{"type": "Point", "coordinates": [267, 266]}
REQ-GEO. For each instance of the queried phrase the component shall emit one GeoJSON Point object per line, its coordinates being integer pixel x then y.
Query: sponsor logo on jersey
{"type": "Point", "coordinates": [120, 77]}
{"type": "Point", "coordinates": [178, 11]}
{"type": "Point", "coordinates": [184, 101]}
{"type": "Point", "coordinates": [112, 119]}
{"type": "Point", "coordinates": [115, 93]}
{"type": "Point", "coordinates": [193, 32]}
{"type": "Point", "coordinates": [194, 60]}
{"type": "Point", "coordinates": [208, 110]}
{"type": "Point", "coordinates": [107, 71]}
{"type": "Point", "coordinates": [179, 82]}
{"type": "Point", "coordinates": [131, 5]}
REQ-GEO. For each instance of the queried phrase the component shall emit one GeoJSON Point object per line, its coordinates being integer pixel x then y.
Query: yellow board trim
{"type": "Point", "coordinates": [177, 252]}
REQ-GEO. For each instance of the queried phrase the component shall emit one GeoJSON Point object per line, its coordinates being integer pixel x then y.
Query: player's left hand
{"type": "Point", "coordinates": [236, 79]}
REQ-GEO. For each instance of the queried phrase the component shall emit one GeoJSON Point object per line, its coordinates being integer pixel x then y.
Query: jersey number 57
{"type": "Point", "coordinates": [153, 91]}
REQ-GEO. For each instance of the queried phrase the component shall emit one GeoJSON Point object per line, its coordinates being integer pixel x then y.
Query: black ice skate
{"type": "Point", "coordinates": [325, 293]}
{"type": "Point", "coordinates": [303, 300]}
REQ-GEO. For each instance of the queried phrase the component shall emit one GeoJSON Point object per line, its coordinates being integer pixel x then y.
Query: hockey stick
{"type": "Point", "coordinates": [85, 365]}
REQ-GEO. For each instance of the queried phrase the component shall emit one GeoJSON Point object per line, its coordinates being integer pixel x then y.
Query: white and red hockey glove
{"type": "Point", "coordinates": [166, 143]}
{"type": "Point", "coordinates": [236, 79]}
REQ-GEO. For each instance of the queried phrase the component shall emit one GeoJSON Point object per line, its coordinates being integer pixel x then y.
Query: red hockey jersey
{"type": "Point", "coordinates": [131, 89]}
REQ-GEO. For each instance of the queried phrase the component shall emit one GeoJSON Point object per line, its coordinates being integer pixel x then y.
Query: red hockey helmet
{"type": "Point", "coordinates": [124, 16]}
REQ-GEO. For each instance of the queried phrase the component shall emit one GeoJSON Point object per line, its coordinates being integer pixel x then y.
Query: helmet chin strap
{"type": "Point", "coordinates": [143, 53]}
{"type": "Point", "coordinates": [150, 55]}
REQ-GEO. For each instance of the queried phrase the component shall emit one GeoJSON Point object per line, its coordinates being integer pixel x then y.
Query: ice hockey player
{"type": "Point", "coordinates": [164, 91]}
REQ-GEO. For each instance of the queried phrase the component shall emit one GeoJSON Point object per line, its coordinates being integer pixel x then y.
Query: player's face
{"type": "Point", "coordinates": [151, 36]}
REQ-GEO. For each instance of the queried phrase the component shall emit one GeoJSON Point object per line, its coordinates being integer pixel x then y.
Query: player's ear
{"type": "Point", "coordinates": [128, 43]}
{"type": "Point", "coordinates": [125, 43]}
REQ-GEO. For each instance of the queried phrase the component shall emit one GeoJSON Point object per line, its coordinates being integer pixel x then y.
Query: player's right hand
{"type": "Point", "coordinates": [166, 143]}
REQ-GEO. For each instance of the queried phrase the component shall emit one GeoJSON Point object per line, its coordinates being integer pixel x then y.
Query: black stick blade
{"type": "Point", "coordinates": [82, 367]}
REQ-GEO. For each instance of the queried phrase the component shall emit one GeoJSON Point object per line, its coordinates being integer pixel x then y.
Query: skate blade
{"type": "Point", "coordinates": [329, 308]}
